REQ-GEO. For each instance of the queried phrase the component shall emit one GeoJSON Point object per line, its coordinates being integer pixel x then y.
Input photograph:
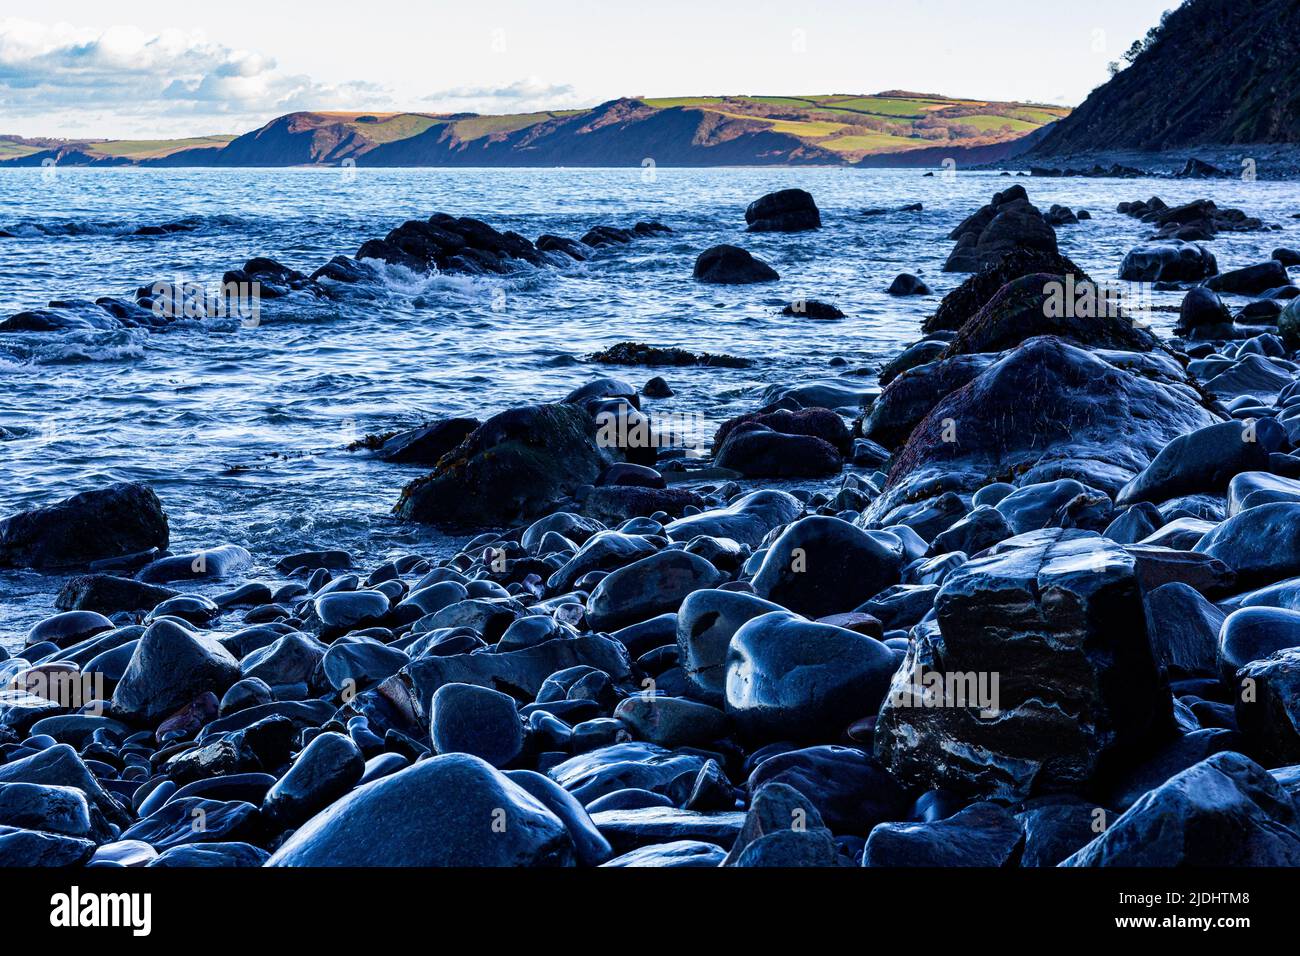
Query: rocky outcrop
{"type": "Point", "coordinates": [1009, 222]}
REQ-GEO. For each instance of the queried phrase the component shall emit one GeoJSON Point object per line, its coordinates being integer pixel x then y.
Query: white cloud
{"type": "Point", "coordinates": [522, 96]}
{"type": "Point", "coordinates": [165, 82]}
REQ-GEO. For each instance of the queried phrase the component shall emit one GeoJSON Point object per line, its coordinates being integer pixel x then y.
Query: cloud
{"type": "Point", "coordinates": [523, 96]}
{"type": "Point", "coordinates": [72, 75]}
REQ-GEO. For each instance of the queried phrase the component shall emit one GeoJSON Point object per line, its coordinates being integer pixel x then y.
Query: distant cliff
{"type": "Point", "coordinates": [885, 129]}
{"type": "Point", "coordinates": [1215, 72]}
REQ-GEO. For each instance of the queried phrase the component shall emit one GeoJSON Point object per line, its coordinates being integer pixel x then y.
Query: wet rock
{"type": "Point", "coordinates": [68, 628]}
{"type": "Point", "coordinates": [632, 765]}
{"type": "Point", "coordinates": [359, 664]}
{"type": "Point", "coordinates": [1168, 262]}
{"type": "Point", "coordinates": [907, 284]}
{"type": "Point", "coordinates": [1167, 761]}
{"type": "Point", "coordinates": [514, 467]}
{"type": "Point", "coordinates": [788, 210]}
{"type": "Point", "coordinates": [1184, 629]}
{"type": "Point", "coordinates": [194, 820]}
{"type": "Point", "coordinates": [60, 766]}
{"type": "Point", "coordinates": [818, 422]}
{"type": "Point", "coordinates": [1009, 222]}
{"type": "Point", "coordinates": [963, 302]}
{"type": "Point", "coordinates": [984, 834]}
{"type": "Point", "coordinates": [821, 565]}
{"type": "Point", "coordinates": [26, 848]}
{"type": "Point", "coordinates": [812, 309]}
{"type": "Point", "coordinates": [170, 667]}
{"type": "Point", "coordinates": [638, 353]}
{"type": "Point", "coordinates": [731, 265]}
{"type": "Point", "coordinates": [209, 563]}
{"type": "Point", "coordinates": [1055, 827]}
{"type": "Point", "coordinates": [464, 718]}
{"type": "Point", "coordinates": [1253, 634]}
{"type": "Point", "coordinates": [1058, 615]}
{"type": "Point", "coordinates": [449, 810]}
{"type": "Point", "coordinates": [1045, 304]}
{"type": "Point", "coordinates": [1261, 544]}
{"type": "Point", "coordinates": [292, 659]}
{"type": "Point", "coordinates": [789, 678]}
{"type": "Point", "coordinates": [1204, 461]}
{"type": "Point", "coordinates": [1224, 811]}
{"type": "Point", "coordinates": [706, 622]}
{"type": "Point", "coordinates": [629, 829]}
{"type": "Point", "coordinates": [678, 853]}
{"type": "Point", "coordinates": [671, 721]}
{"type": "Point", "coordinates": [1268, 706]}
{"type": "Point", "coordinates": [108, 594]}
{"type": "Point", "coordinates": [224, 855]}
{"type": "Point", "coordinates": [648, 587]}
{"type": "Point", "coordinates": [1252, 280]}
{"type": "Point", "coordinates": [1046, 411]}
{"type": "Point", "coordinates": [110, 522]}
{"type": "Point", "coordinates": [428, 443]}
{"type": "Point", "coordinates": [775, 810]}
{"type": "Point", "coordinates": [54, 809]}
{"type": "Point", "coordinates": [591, 848]}
{"type": "Point", "coordinates": [1201, 308]}
{"type": "Point", "coordinates": [327, 768]}
{"type": "Point", "coordinates": [518, 673]}
{"type": "Point", "coordinates": [759, 452]}
{"type": "Point", "coordinates": [849, 788]}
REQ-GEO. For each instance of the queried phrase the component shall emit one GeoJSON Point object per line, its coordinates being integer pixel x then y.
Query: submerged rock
{"type": "Point", "coordinates": [731, 265]}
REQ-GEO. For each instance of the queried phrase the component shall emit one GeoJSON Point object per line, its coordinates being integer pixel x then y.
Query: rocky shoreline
{"type": "Point", "coordinates": [1034, 601]}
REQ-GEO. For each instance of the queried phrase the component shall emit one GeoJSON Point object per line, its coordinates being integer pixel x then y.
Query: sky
{"type": "Point", "coordinates": [161, 69]}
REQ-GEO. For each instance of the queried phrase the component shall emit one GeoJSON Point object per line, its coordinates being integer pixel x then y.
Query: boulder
{"type": "Point", "coordinates": [1253, 634]}
{"type": "Point", "coordinates": [1268, 706]}
{"type": "Point", "coordinates": [788, 210]}
{"type": "Point", "coordinates": [984, 834]}
{"type": "Point", "coordinates": [325, 770]}
{"type": "Point", "coordinates": [790, 678]}
{"type": "Point", "coordinates": [907, 284]}
{"type": "Point", "coordinates": [1252, 280]}
{"type": "Point", "coordinates": [849, 789]}
{"type": "Point", "coordinates": [108, 594]}
{"type": "Point", "coordinates": [112, 522]}
{"type": "Point", "coordinates": [1224, 811]}
{"type": "Point", "coordinates": [747, 520]}
{"type": "Point", "coordinates": [969, 297]}
{"type": "Point", "coordinates": [464, 718]}
{"type": "Point", "coordinates": [1262, 544]}
{"type": "Point", "coordinates": [1036, 674]}
{"type": "Point", "coordinates": [449, 810]}
{"type": "Point", "coordinates": [1168, 262]}
{"type": "Point", "coordinates": [1009, 222]}
{"type": "Point", "coordinates": [1204, 461]}
{"type": "Point", "coordinates": [759, 452]}
{"type": "Point", "coordinates": [169, 668]}
{"type": "Point", "coordinates": [428, 443]}
{"type": "Point", "coordinates": [821, 565]}
{"type": "Point", "coordinates": [513, 468]}
{"type": "Point", "coordinates": [651, 586]}
{"type": "Point", "coordinates": [1047, 410]}
{"type": "Point", "coordinates": [706, 622]}
{"type": "Point", "coordinates": [731, 265]}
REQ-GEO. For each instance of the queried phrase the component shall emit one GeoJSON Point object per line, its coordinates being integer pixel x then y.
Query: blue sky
{"type": "Point", "coordinates": [153, 68]}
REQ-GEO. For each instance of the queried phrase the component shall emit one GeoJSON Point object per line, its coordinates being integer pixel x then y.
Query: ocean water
{"type": "Point", "coordinates": [242, 431]}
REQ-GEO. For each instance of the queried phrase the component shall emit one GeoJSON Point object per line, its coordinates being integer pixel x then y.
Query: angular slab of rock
{"type": "Point", "coordinates": [1038, 670]}
{"type": "Point", "coordinates": [1224, 811]}
{"type": "Point", "coordinates": [633, 765]}
{"type": "Point", "coordinates": [629, 829]}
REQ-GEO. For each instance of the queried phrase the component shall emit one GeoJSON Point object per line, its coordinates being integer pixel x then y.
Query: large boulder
{"type": "Point", "coordinates": [793, 679]}
{"type": "Point", "coordinates": [849, 788]}
{"type": "Point", "coordinates": [731, 265]}
{"type": "Point", "coordinates": [450, 810]}
{"type": "Point", "coordinates": [1252, 280]}
{"type": "Point", "coordinates": [122, 519]}
{"type": "Point", "coordinates": [1047, 410]}
{"type": "Point", "coordinates": [513, 468]}
{"type": "Point", "coordinates": [170, 667]}
{"type": "Point", "coordinates": [1036, 674]}
{"type": "Point", "coordinates": [1009, 222]}
{"type": "Point", "coordinates": [969, 297]}
{"type": "Point", "coordinates": [984, 834]}
{"type": "Point", "coordinates": [1268, 706]}
{"type": "Point", "coordinates": [1262, 544]}
{"type": "Point", "coordinates": [1045, 304]}
{"type": "Point", "coordinates": [1224, 811]}
{"type": "Point", "coordinates": [706, 622]}
{"type": "Point", "coordinates": [788, 210]}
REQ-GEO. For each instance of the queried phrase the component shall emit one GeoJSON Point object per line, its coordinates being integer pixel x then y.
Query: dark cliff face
{"type": "Point", "coordinates": [1219, 72]}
